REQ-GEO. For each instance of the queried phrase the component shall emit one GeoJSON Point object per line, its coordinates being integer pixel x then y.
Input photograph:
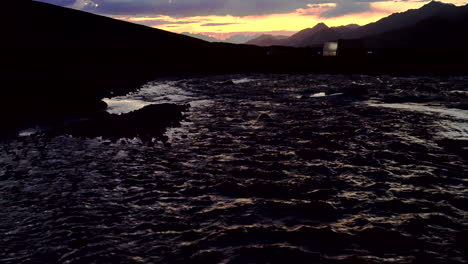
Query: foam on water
{"type": "Point", "coordinates": [455, 130]}
{"type": "Point", "coordinates": [450, 128]}
{"type": "Point", "coordinates": [451, 112]}
{"type": "Point", "coordinates": [123, 106]}
{"type": "Point", "coordinates": [243, 80]}
{"type": "Point", "coordinates": [151, 93]}
{"type": "Point", "coordinates": [199, 103]}
{"type": "Point", "coordinates": [321, 94]}
{"type": "Point", "coordinates": [28, 132]}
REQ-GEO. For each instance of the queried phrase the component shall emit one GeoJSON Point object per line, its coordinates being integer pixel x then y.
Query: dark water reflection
{"type": "Point", "coordinates": [262, 171]}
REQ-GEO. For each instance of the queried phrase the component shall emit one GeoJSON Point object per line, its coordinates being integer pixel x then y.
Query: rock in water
{"type": "Point", "coordinates": [264, 117]}
{"type": "Point", "coordinates": [149, 122]}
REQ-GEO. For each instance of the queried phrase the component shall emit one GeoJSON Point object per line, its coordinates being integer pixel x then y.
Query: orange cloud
{"type": "Point", "coordinates": [222, 27]}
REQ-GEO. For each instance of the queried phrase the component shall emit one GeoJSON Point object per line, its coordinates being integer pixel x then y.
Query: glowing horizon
{"type": "Point", "coordinates": [222, 26]}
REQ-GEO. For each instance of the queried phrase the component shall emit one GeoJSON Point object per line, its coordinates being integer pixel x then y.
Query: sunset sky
{"type": "Point", "coordinates": [224, 18]}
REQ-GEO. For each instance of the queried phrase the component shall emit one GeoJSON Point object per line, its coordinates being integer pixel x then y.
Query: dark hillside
{"type": "Point", "coordinates": [58, 61]}
{"type": "Point", "coordinates": [436, 37]}
{"type": "Point", "coordinates": [407, 19]}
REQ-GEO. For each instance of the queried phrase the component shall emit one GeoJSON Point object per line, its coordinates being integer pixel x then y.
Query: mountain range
{"type": "Point", "coordinates": [396, 23]}
{"type": "Point", "coordinates": [309, 37]}
{"type": "Point", "coordinates": [235, 39]}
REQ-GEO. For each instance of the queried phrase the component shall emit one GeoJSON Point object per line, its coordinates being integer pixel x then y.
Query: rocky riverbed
{"type": "Point", "coordinates": [252, 169]}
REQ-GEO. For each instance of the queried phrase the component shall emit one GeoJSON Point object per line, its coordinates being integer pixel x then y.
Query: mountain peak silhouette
{"type": "Point", "coordinates": [436, 4]}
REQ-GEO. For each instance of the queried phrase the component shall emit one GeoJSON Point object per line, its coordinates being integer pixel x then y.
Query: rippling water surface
{"type": "Point", "coordinates": [265, 169]}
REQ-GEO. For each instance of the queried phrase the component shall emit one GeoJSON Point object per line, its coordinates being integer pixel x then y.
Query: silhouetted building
{"type": "Point", "coordinates": [330, 49]}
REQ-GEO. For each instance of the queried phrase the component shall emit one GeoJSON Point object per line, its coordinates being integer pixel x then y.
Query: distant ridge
{"type": "Point", "coordinates": [240, 38]}
{"type": "Point", "coordinates": [316, 36]}
{"type": "Point", "coordinates": [434, 36]}
{"type": "Point", "coordinates": [308, 37]}
{"type": "Point", "coordinates": [235, 39]}
{"type": "Point", "coordinates": [201, 36]}
{"type": "Point", "coordinates": [268, 40]}
{"type": "Point", "coordinates": [406, 19]}
{"type": "Point", "coordinates": [302, 37]}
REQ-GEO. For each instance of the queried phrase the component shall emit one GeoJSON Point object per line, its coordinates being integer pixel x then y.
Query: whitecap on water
{"type": "Point", "coordinates": [450, 128]}
{"type": "Point", "coordinates": [455, 130]}
{"type": "Point", "coordinates": [243, 80]}
{"type": "Point", "coordinates": [28, 132]}
{"type": "Point", "coordinates": [151, 93]}
{"type": "Point", "coordinates": [154, 90]}
{"type": "Point", "coordinates": [451, 112]}
{"type": "Point", "coordinates": [198, 103]}
{"type": "Point", "coordinates": [122, 106]}
{"type": "Point", "coordinates": [175, 133]}
{"type": "Point", "coordinates": [321, 94]}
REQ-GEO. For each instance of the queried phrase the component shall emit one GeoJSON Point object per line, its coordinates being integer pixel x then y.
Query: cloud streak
{"type": "Point", "coordinates": [185, 8]}
{"type": "Point", "coordinates": [238, 8]}
{"type": "Point", "coordinates": [217, 24]}
{"type": "Point", "coordinates": [221, 17]}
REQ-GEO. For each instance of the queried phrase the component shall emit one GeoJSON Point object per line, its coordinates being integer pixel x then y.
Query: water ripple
{"type": "Point", "coordinates": [260, 172]}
